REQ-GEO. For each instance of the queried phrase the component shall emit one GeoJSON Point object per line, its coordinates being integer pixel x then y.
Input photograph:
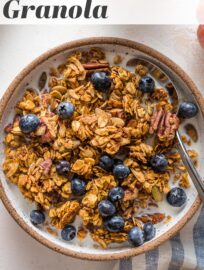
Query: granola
{"type": "Point", "coordinates": [126, 125]}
